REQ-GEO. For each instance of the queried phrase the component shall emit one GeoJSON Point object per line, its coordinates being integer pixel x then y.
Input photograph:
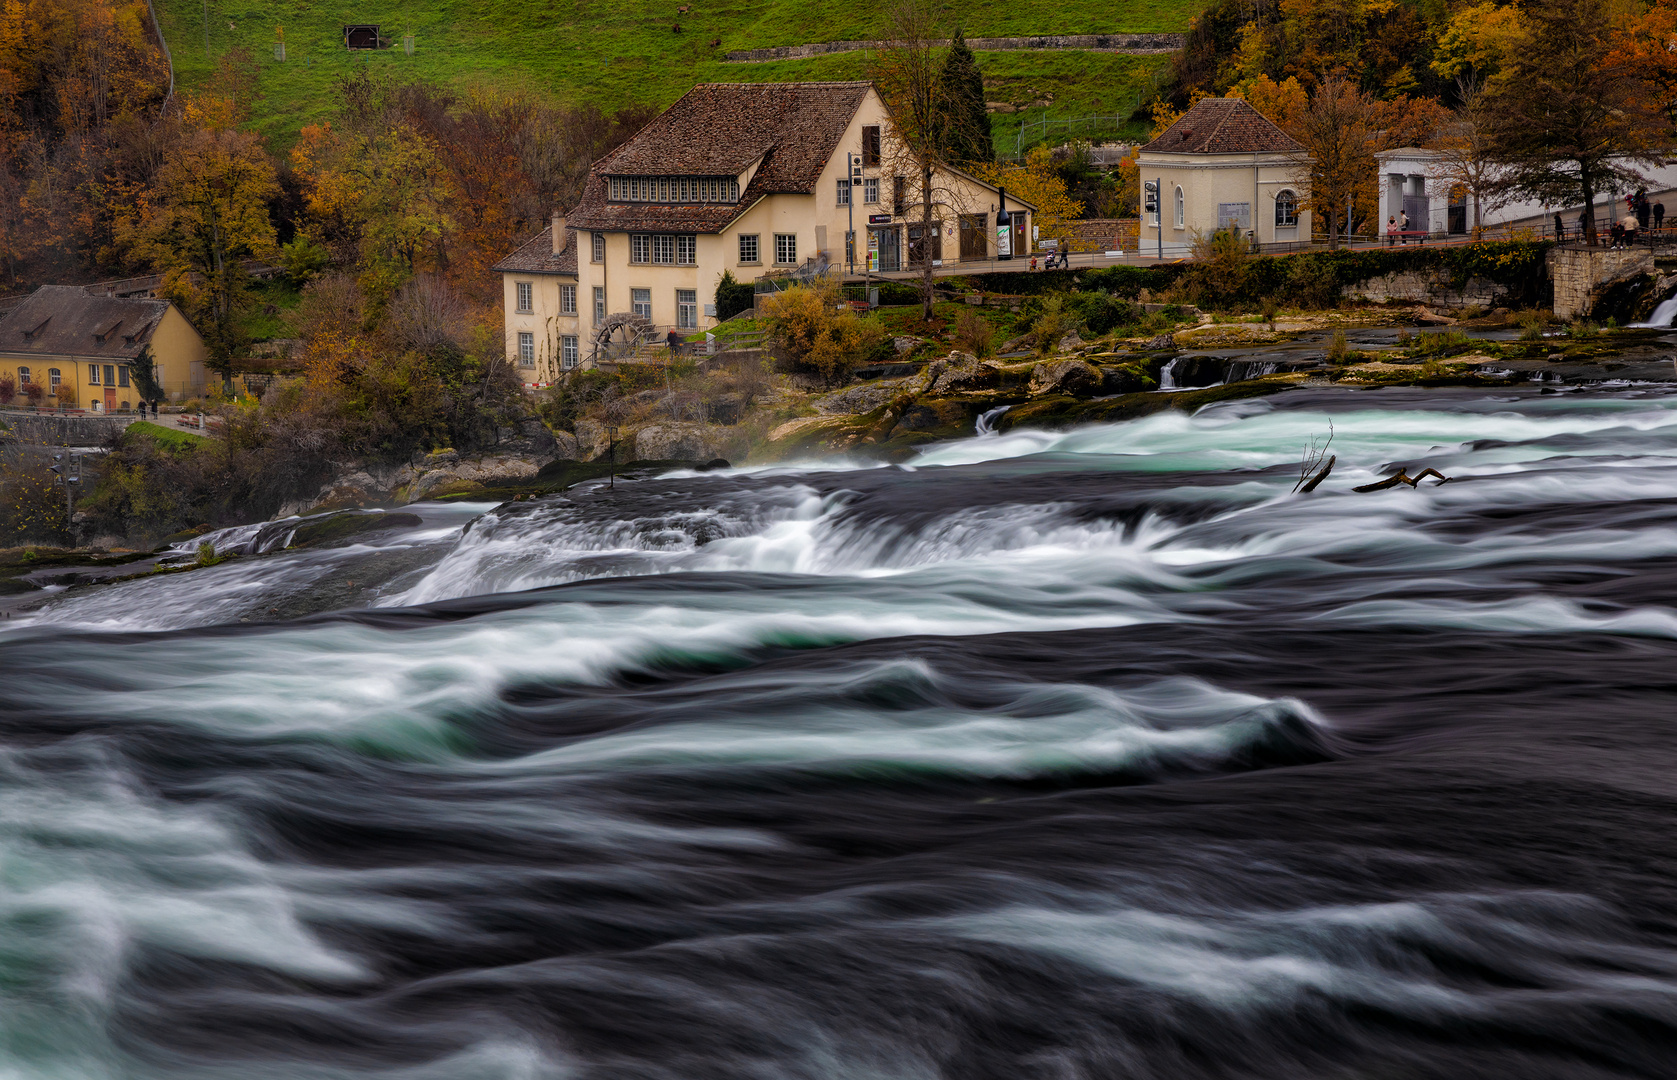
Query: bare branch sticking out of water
{"type": "Point", "coordinates": [1403, 478]}
{"type": "Point", "coordinates": [1311, 462]}
{"type": "Point", "coordinates": [1321, 475]}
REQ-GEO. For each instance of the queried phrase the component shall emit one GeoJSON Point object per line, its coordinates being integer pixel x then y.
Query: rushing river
{"type": "Point", "coordinates": [1090, 754]}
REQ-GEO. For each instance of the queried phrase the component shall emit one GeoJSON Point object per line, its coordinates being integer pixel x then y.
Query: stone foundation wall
{"type": "Point", "coordinates": [1582, 274]}
{"type": "Point", "coordinates": [48, 430]}
{"type": "Point", "coordinates": [1431, 287]}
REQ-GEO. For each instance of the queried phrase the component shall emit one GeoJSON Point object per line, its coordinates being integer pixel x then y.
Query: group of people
{"type": "Point", "coordinates": [1059, 258]}
{"type": "Point", "coordinates": [1623, 232]}
{"type": "Point", "coordinates": [1397, 229]}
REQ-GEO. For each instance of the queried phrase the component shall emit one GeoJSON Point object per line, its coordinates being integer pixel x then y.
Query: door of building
{"type": "Point", "coordinates": [886, 244]}
{"type": "Point", "coordinates": [110, 399]}
{"type": "Point", "coordinates": [974, 236]}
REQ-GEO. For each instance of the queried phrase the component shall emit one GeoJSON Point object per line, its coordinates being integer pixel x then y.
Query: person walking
{"type": "Point", "coordinates": [1659, 216]}
{"type": "Point", "coordinates": [1560, 228]}
{"type": "Point", "coordinates": [1403, 226]}
{"type": "Point", "coordinates": [1642, 209]}
{"type": "Point", "coordinates": [673, 340]}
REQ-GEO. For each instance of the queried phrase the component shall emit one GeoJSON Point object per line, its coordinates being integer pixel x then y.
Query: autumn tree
{"type": "Point", "coordinates": [1568, 116]}
{"type": "Point", "coordinates": [1465, 155]}
{"type": "Point", "coordinates": [205, 215]}
{"type": "Point", "coordinates": [1039, 183]}
{"type": "Point", "coordinates": [922, 121]}
{"type": "Point", "coordinates": [1336, 133]}
{"type": "Point", "coordinates": [1648, 46]}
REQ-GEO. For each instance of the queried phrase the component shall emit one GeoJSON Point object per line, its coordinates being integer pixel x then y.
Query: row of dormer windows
{"type": "Point", "coordinates": [674, 189]}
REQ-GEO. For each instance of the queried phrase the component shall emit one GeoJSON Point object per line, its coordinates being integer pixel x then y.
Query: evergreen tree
{"type": "Point", "coordinates": [967, 138]}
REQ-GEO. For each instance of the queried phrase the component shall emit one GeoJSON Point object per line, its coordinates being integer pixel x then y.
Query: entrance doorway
{"type": "Point", "coordinates": [885, 245]}
{"type": "Point", "coordinates": [920, 248]}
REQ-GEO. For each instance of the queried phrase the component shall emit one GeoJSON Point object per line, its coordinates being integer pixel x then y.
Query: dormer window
{"type": "Point", "coordinates": [673, 189]}
{"type": "Point", "coordinates": [29, 334]}
{"type": "Point", "coordinates": [101, 336]}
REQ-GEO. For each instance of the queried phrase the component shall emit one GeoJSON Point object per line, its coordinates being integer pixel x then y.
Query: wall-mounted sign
{"type": "Point", "coordinates": [879, 219]}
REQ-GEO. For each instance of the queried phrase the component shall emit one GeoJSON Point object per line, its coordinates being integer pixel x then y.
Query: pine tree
{"type": "Point", "coordinates": [967, 139]}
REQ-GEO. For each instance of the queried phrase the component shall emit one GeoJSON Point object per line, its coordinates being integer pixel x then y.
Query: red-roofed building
{"type": "Point", "coordinates": [1223, 165]}
{"type": "Point", "coordinates": [747, 178]}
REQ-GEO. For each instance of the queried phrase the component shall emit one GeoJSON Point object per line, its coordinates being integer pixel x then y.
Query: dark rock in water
{"type": "Point", "coordinates": [713, 464]}
{"type": "Point", "coordinates": [963, 371]}
{"type": "Point", "coordinates": [331, 528]}
{"type": "Point", "coordinates": [1163, 341]}
{"type": "Point", "coordinates": [1074, 377]}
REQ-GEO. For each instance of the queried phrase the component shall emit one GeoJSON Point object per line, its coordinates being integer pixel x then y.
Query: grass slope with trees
{"type": "Point", "coordinates": [629, 52]}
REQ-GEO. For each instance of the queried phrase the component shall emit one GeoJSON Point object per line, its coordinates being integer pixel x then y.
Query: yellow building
{"type": "Point", "coordinates": [78, 346]}
{"type": "Point", "coordinates": [747, 178]}
{"type": "Point", "coordinates": [1223, 165]}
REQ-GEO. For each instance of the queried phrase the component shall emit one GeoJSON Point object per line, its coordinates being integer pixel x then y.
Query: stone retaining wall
{"type": "Point", "coordinates": [1140, 44]}
{"type": "Point", "coordinates": [1582, 274]}
{"type": "Point", "coordinates": [1431, 287]}
{"type": "Point", "coordinates": [46, 429]}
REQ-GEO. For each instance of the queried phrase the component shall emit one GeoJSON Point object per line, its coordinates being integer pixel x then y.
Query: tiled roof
{"type": "Point", "coordinates": [720, 129]}
{"type": "Point", "coordinates": [67, 320]}
{"type": "Point", "coordinates": [1222, 126]}
{"type": "Point", "coordinates": [536, 257]}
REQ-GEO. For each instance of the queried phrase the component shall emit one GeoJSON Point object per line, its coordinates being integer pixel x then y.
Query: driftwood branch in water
{"type": "Point", "coordinates": [1403, 478]}
{"type": "Point", "coordinates": [1319, 477]}
{"type": "Point", "coordinates": [1312, 460]}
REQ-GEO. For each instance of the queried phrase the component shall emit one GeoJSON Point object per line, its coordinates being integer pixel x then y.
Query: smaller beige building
{"type": "Point", "coordinates": [539, 296]}
{"type": "Point", "coordinates": [1223, 165]}
{"type": "Point", "coordinates": [77, 347]}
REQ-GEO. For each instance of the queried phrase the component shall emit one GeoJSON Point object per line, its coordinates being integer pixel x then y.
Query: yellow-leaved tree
{"type": "Point", "coordinates": [1037, 182]}
{"type": "Point", "coordinates": [207, 212]}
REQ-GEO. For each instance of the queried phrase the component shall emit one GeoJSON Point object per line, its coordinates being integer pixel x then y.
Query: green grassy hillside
{"type": "Point", "coordinates": [617, 52]}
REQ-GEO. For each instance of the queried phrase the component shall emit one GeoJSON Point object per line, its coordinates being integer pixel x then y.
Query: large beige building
{"type": "Point", "coordinates": [747, 178]}
{"type": "Point", "coordinates": [77, 348]}
{"type": "Point", "coordinates": [1223, 165]}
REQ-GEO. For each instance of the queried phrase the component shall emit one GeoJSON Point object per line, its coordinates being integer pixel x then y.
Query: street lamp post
{"type": "Point", "coordinates": [611, 437]}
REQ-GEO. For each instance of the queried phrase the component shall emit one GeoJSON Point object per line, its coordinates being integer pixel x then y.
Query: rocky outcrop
{"type": "Point", "coordinates": [1070, 343]}
{"type": "Point", "coordinates": [592, 440]}
{"type": "Point", "coordinates": [1074, 377]}
{"type": "Point", "coordinates": [676, 441]}
{"type": "Point", "coordinates": [860, 399]}
{"type": "Point", "coordinates": [962, 372]}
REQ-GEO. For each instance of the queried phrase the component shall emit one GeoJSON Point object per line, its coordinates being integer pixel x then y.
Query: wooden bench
{"type": "Point", "coordinates": [1403, 236]}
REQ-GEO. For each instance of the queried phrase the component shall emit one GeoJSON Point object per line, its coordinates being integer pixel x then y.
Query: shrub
{"type": "Point", "coordinates": [1218, 275]}
{"type": "Point", "coordinates": [1339, 350]}
{"type": "Point", "coordinates": [1441, 343]}
{"type": "Point", "coordinates": [1052, 324]}
{"type": "Point", "coordinates": [303, 260]}
{"type": "Point", "coordinates": [733, 297]}
{"type": "Point", "coordinates": [8, 389]}
{"type": "Point", "coordinates": [1532, 324]}
{"type": "Point", "coordinates": [66, 396]}
{"type": "Point", "coordinates": [1101, 313]}
{"type": "Point", "coordinates": [974, 334]}
{"type": "Point", "coordinates": [1270, 309]}
{"type": "Point", "coordinates": [816, 333]}
{"type": "Point", "coordinates": [1583, 330]}
{"type": "Point", "coordinates": [34, 391]}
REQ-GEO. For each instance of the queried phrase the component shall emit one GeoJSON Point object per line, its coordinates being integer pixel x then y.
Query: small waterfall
{"type": "Point", "coordinates": [1167, 374]}
{"type": "Point", "coordinates": [987, 420]}
{"type": "Point", "coordinates": [1664, 315]}
{"type": "Point", "coordinates": [1241, 370]}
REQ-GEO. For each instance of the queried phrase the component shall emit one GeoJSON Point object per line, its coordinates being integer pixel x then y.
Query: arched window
{"type": "Point", "coordinates": [1181, 209]}
{"type": "Point", "coordinates": [1286, 210]}
{"type": "Point", "coordinates": [53, 376]}
{"type": "Point", "coordinates": [23, 376]}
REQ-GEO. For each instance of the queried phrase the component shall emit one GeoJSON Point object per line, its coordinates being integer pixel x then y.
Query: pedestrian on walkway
{"type": "Point", "coordinates": [1391, 231]}
{"type": "Point", "coordinates": [1642, 209]}
{"type": "Point", "coordinates": [1560, 228]}
{"type": "Point", "coordinates": [1403, 226]}
{"type": "Point", "coordinates": [1659, 216]}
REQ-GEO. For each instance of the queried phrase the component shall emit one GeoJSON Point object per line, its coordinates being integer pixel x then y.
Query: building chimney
{"type": "Point", "coordinates": [558, 232]}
